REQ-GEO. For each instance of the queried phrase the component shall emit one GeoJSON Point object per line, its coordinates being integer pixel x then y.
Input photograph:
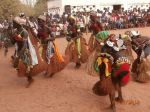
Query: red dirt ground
{"type": "Point", "coordinates": [68, 91]}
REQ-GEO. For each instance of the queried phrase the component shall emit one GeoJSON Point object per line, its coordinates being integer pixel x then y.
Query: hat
{"type": "Point", "coordinates": [42, 17]}
{"type": "Point", "coordinates": [72, 17]}
{"type": "Point", "coordinates": [135, 33]}
{"type": "Point", "coordinates": [112, 37]}
{"type": "Point", "coordinates": [19, 21]}
{"type": "Point", "coordinates": [22, 14]}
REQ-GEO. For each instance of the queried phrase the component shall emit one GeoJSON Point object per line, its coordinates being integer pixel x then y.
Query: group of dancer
{"type": "Point", "coordinates": [36, 50]}
{"type": "Point", "coordinates": [107, 55]}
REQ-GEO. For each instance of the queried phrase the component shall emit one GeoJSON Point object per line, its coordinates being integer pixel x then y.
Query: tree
{"type": "Point", "coordinates": [9, 7]}
{"type": "Point", "coordinates": [27, 9]}
{"type": "Point", "coordinates": [14, 7]}
{"type": "Point", "coordinates": [40, 7]}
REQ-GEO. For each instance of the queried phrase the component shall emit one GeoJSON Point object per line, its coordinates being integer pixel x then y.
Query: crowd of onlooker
{"type": "Point", "coordinates": [4, 32]}
{"type": "Point", "coordinates": [109, 19]}
{"type": "Point", "coordinates": [125, 19]}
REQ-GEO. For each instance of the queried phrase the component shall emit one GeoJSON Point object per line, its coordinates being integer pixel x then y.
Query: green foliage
{"type": "Point", "coordinates": [27, 9]}
{"type": "Point", "coordinates": [14, 7]}
{"type": "Point", "coordinates": [40, 7]}
{"type": "Point", "coordinates": [9, 7]}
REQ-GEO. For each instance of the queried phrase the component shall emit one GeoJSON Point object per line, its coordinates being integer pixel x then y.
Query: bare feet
{"type": "Point", "coordinates": [45, 74]}
{"type": "Point", "coordinates": [30, 81]}
{"type": "Point", "coordinates": [120, 100]}
{"type": "Point", "coordinates": [51, 75]}
{"type": "Point", "coordinates": [78, 65]}
{"type": "Point", "coordinates": [112, 107]}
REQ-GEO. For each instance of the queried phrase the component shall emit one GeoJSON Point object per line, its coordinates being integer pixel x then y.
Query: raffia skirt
{"type": "Point", "coordinates": [92, 43]}
{"type": "Point", "coordinates": [103, 87]}
{"type": "Point", "coordinates": [73, 52]}
{"type": "Point", "coordinates": [56, 65]}
{"type": "Point", "coordinates": [140, 71]}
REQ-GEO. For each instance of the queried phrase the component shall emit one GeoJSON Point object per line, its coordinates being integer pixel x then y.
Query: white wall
{"type": "Point", "coordinates": [94, 2]}
{"type": "Point", "coordinates": [79, 2]}
{"type": "Point", "coordinates": [99, 3]}
{"type": "Point", "coordinates": [55, 4]}
{"type": "Point", "coordinates": [139, 3]}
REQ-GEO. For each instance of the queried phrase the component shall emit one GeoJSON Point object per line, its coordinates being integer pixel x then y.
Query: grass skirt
{"type": "Point", "coordinates": [103, 87]}
{"type": "Point", "coordinates": [141, 71]}
{"type": "Point", "coordinates": [93, 44]}
{"type": "Point", "coordinates": [73, 52]}
{"type": "Point", "coordinates": [90, 69]}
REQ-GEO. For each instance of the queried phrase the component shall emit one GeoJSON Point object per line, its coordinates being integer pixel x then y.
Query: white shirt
{"type": "Point", "coordinates": [1, 26]}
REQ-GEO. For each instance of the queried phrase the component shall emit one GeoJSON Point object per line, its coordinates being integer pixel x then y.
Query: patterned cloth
{"type": "Point", "coordinates": [107, 60]}
{"type": "Point", "coordinates": [99, 61]}
{"type": "Point", "coordinates": [141, 42]}
{"type": "Point", "coordinates": [32, 53]}
{"type": "Point", "coordinates": [102, 35]}
{"type": "Point", "coordinates": [49, 51]}
{"type": "Point", "coordinates": [141, 46]}
{"type": "Point", "coordinates": [121, 70]}
{"type": "Point", "coordinates": [25, 57]}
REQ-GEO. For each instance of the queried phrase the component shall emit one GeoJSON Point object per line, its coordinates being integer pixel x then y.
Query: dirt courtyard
{"type": "Point", "coordinates": [68, 91]}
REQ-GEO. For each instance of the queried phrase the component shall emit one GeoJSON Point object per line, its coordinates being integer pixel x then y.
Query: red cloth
{"type": "Point", "coordinates": [74, 30]}
{"type": "Point", "coordinates": [18, 38]}
{"type": "Point", "coordinates": [43, 35]}
{"type": "Point", "coordinates": [109, 67]}
{"type": "Point", "coordinates": [123, 67]}
{"type": "Point", "coordinates": [96, 27]}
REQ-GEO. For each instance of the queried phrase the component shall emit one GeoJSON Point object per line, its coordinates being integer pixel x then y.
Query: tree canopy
{"type": "Point", "coordinates": [9, 7]}
{"type": "Point", "coordinates": [14, 7]}
{"type": "Point", "coordinates": [40, 7]}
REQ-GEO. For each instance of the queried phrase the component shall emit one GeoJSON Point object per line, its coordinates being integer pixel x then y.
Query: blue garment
{"type": "Point", "coordinates": [147, 50]}
{"type": "Point", "coordinates": [32, 53]}
{"type": "Point", "coordinates": [49, 51]}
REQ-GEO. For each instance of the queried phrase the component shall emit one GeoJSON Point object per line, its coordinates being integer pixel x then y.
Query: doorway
{"type": "Point", "coordinates": [116, 7]}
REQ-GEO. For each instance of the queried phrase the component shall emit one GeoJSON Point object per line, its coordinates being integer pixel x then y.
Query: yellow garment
{"type": "Point", "coordinates": [40, 52]}
{"type": "Point", "coordinates": [94, 40]}
{"type": "Point", "coordinates": [60, 58]}
{"type": "Point", "coordinates": [78, 45]}
{"type": "Point", "coordinates": [105, 60]}
{"type": "Point", "coordinates": [125, 36]}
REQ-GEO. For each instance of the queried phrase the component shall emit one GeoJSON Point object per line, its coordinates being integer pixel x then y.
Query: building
{"type": "Point", "coordinates": [60, 6]}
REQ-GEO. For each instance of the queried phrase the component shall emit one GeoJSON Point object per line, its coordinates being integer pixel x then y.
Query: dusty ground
{"type": "Point", "coordinates": [68, 91]}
